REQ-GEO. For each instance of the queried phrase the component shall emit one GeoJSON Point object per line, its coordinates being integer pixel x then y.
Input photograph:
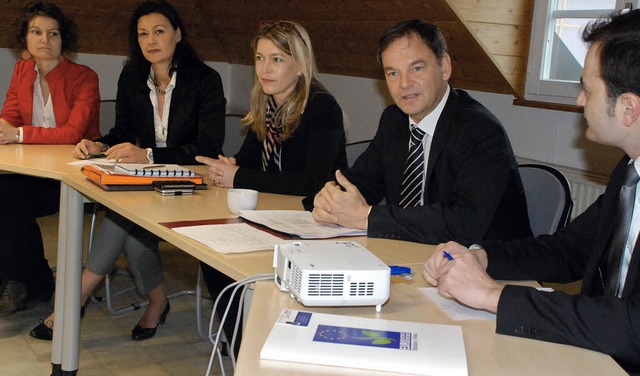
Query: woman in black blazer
{"type": "Point", "coordinates": [295, 140]}
{"type": "Point", "coordinates": [169, 108]}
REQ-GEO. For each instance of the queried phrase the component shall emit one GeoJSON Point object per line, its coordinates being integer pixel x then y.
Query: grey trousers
{"type": "Point", "coordinates": [140, 247]}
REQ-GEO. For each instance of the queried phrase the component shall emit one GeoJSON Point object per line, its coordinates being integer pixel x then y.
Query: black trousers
{"type": "Point", "coordinates": [216, 282]}
{"type": "Point", "coordinates": [26, 198]}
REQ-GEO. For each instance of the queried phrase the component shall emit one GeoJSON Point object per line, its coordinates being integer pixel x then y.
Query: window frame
{"type": "Point", "coordinates": [542, 25]}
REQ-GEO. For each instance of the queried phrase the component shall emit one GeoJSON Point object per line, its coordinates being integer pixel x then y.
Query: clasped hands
{"type": "Point", "coordinates": [341, 203]}
{"type": "Point", "coordinates": [125, 152]}
{"type": "Point", "coordinates": [221, 171]}
{"type": "Point", "coordinates": [464, 278]}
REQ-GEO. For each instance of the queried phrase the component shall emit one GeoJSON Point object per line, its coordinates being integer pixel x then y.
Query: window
{"type": "Point", "coordinates": [556, 54]}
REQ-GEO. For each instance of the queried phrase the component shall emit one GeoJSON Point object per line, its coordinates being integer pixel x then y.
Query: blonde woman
{"type": "Point", "coordinates": [296, 139]}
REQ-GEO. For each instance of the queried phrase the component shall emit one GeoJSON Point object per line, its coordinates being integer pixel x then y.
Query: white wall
{"type": "Point", "coordinates": [543, 135]}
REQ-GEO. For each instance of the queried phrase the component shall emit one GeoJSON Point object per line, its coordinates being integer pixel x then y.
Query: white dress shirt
{"type": "Point", "coordinates": [43, 115]}
{"type": "Point", "coordinates": [428, 126]}
{"type": "Point", "coordinates": [161, 124]}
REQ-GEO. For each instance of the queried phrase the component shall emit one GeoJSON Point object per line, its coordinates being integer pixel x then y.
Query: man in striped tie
{"type": "Point", "coordinates": [440, 159]}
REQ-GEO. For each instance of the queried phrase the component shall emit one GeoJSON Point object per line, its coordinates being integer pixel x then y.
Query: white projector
{"type": "Point", "coordinates": [331, 273]}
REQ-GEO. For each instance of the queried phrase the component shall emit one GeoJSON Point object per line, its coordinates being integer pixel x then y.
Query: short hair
{"type": "Point", "coordinates": [66, 26]}
{"type": "Point", "coordinates": [619, 40]}
{"type": "Point", "coordinates": [183, 54]}
{"type": "Point", "coordinates": [428, 32]}
{"type": "Point", "coordinates": [292, 39]}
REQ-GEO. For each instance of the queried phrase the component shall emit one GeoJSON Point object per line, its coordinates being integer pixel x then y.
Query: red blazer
{"type": "Point", "coordinates": [76, 103]}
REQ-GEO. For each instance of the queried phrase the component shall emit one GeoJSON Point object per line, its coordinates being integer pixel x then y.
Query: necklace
{"type": "Point", "coordinates": [155, 83]}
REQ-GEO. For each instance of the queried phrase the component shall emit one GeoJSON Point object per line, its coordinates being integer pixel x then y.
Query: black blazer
{"type": "Point", "coordinates": [579, 251]}
{"type": "Point", "coordinates": [309, 158]}
{"type": "Point", "coordinates": [196, 115]}
{"type": "Point", "coordinates": [473, 188]}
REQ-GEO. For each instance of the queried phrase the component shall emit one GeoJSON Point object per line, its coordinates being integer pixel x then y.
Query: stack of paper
{"type": "Point", "coordinates": [297, 223]}
{"type": "Point", "coordinates": [230, 238]}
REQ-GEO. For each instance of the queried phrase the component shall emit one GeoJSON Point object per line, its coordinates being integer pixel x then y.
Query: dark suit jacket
{"type": "Point", "coordinates": [309, 158]}
{"type": "Point", "coordinates": [579, 251]}
{"type": "Point", "coordinates": [196, 115]}
{"type": "Point", "coordinates": [473, 188]}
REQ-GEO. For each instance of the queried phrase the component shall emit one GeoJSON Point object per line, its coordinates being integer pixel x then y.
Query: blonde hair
{"type": "Point", "coordinates": [292, 39]}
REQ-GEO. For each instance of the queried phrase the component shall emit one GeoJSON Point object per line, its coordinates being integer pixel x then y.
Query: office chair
{"type": "Point", "coordinates": [354, 149]}
{"type": "Point", "coordinates": [234, 134]}
{"type": "Point", "coordinates": [548, 197]}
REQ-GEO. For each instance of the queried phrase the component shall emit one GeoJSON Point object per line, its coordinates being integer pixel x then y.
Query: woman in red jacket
{"type": "Point", "coordinates": [50, 100]}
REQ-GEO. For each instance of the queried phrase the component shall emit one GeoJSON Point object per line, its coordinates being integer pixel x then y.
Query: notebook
{"type": "Point", "coordinates": [365, 343]}
{"type": "Point", "coordinates": [98, 175]}
{"type": "Point", "coordinates": [170, 170]}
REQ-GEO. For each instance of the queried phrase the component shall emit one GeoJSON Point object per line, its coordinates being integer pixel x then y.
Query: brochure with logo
{"type": "Point", "coordinates": [375, 344]}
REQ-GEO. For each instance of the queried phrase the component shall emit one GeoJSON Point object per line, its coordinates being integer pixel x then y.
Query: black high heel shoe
{"type": "Point", "coordinates": [140, 334]}
{"type": "Point", "coordinates": [44, 330]}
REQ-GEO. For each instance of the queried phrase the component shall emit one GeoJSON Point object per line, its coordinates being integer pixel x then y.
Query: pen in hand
{"type": "Point", "coordinates": [447, 255]}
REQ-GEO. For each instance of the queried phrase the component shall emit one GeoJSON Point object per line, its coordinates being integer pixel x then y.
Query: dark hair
{"type": "Point", "coordinates": [619, 41]}
{"type": "Point", "coordinates": [184, 53]}
{"type": "Point", "coordinates": [68, 30]}
{"type": "Point", "coordinates": [428, 32]}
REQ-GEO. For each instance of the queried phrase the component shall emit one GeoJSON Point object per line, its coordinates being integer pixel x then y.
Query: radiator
{"type": "Point", "coordinates": [584, 191]}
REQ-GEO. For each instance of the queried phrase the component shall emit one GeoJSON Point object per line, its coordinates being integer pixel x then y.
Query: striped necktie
{"type": "Point", "coordinates": [622, 222]}
{"type": "Point", "coordinates": [413, 173]}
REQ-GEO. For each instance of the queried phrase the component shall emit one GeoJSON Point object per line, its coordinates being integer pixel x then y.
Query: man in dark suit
{"type": "Point", "coordinates": [470, 188]}
{"type": "Point", "coordinates": [600, 246]}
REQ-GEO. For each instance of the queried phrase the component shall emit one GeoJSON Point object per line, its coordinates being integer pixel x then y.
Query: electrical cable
{"type": "Point", "coordinates": [236, 285]}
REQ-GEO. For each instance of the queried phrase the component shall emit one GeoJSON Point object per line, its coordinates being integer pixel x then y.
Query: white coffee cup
{"type": "Point", "coordinates": [241, 199]}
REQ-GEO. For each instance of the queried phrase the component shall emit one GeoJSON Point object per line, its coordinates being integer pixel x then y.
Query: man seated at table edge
{"type": "Point", "coordinates": [597, 247]}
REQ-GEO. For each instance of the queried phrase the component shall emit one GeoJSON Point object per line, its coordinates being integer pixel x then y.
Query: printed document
{"type": "Point", "coordinates": [230, 238]}
{"type": "Point", "coordinates": [297, 223]}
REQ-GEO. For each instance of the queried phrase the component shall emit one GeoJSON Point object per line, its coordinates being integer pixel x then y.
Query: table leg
{"type": "Point", "coordinates": [66, 336]}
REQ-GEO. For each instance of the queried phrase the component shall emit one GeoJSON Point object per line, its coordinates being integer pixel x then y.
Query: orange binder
{"type": "Point", "coordinates": [102, 178]}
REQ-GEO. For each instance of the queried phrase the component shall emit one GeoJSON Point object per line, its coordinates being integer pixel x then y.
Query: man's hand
{"type": "Point", "coordinates": [464, 278]}
{"type": "Point", "coordinates": [222, 171]}
{"type": "Point", "coordinates": [341, 203]}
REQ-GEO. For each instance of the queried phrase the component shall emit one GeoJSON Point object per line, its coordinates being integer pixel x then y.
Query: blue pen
{"type": "Point", "coordinates": [447, 255]}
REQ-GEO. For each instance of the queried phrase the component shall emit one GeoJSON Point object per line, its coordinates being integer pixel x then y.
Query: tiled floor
{"type": "Point", "coordinates": [106, 347]}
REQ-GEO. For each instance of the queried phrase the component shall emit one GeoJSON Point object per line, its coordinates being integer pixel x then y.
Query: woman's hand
{"type": "Point", "coordinates": [7, 133]}
{"type": "Point", "coordinates": [221, 171]}
{"type": "Point", "coordinates": [127, 153]}
{"type": "Point", "coordinates": [86, 147]}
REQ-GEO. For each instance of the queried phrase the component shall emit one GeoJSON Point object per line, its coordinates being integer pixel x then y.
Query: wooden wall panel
{"type": "Point", "coordinates": [503, 39]}
{"type": "Point", "coordinates": [511, 12]}
{"type": "Point", "coordinates": [344, 32]}
{"type": "Point", "coordinates": [503, 29]}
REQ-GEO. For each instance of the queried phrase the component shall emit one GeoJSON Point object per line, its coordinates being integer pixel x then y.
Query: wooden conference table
{"type": "Point", "coordinates": [487, 352]}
